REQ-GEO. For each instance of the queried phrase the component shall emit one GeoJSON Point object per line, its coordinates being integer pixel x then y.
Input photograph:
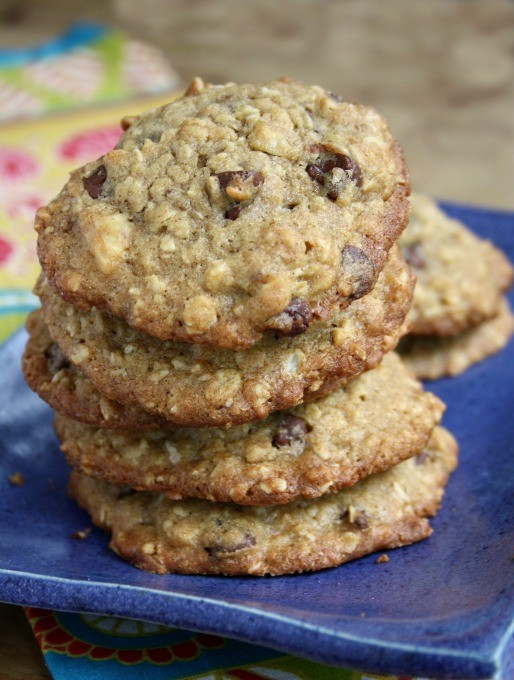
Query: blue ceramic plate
{"type": "Point", "coordinates": [441, 608]}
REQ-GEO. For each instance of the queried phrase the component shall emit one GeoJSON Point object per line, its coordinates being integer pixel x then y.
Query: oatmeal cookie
{"type": "Point", "coordinates": [386, 510]}
{"type": "Point", "coordinates": [375, 422]}
{"type": "Point", "coordinates": [233, 211]}
{"type": "Point", "coordinates": [432, 357]}
{"type": "Point", "coordinates": [460, 277]}
{"type": "Point", "coordinates": [198, 386]}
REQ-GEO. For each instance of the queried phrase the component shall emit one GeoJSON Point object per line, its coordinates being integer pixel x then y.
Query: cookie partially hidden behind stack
{"type": "Point", "coordinates": [221, 297]}
{"type": "Point", "coordinates": [459, 313]}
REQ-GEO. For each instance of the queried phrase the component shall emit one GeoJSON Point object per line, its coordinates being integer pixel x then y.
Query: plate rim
{"type": "Point", "coordinates": [342, 648]}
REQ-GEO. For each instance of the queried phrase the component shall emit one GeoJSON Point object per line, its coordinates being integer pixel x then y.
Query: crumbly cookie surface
{"type": "Point", "coordinates": [69, 392]}
{"type": "Point", "coordinates": [386, 510]}
{"type": "Point", "coordinates": [379, 419]}
{"type": "Point", "coordinates": [198, 386]}
{"type": "Point", "coordinates": [460, 277]}
{"type": "Point", "coordinates": [229, 212]}
{"type": "Point", "coordinates": [431, 357]}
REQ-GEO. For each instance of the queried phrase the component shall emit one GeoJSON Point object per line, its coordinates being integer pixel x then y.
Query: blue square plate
{"type": "Point", "coordinates": [441, 608]}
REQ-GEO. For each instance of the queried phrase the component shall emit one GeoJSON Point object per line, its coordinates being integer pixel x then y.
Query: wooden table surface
{"type": "Point", "coordinates": [441, 72]}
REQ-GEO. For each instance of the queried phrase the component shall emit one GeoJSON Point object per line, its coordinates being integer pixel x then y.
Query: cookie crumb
{"type": "Point", "coordinates": [82, 534]}
{"type": "Point", "coordinates": [17, 479]}
{"type": "Point", "coordinates": [382, 558]}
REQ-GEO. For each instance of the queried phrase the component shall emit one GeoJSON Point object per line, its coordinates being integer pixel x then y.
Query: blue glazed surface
{"type": "Point", "coordinates": [441, 608]}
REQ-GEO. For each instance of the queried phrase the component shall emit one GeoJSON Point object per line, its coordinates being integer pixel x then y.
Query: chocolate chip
{"type": "Point", "coordinates": [359, 269]}
{"type": "Point", "coordinates": [55, 359]}
{"type": "Point", "coordinates": [233, 212]}
{"type": "Point", "coordinates": [321, 170]}
{"type": "Point", "coordinates": [93, 184]}
{"type": "Point", "coordinates": [246, 541]}
{"type": "Point", "coordinates": [345, 163]}
{"type": "Point", "coordinates": [413, 253]}
{"type": "Point", "coordinates": [238, 177]}
{"type": "Point", "coordinates": [290, 430]}
{"type": "Point", "coordinates": [315, 173]}
{"type": "Point", "coordinates": [351, 168]}
{"type": "Point", "coordinates": [295, 318]}
{"type": "Point", "coordinates": [330, 163]}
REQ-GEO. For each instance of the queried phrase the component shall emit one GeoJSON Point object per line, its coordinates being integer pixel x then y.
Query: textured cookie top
{"type": "Point", "coordinates": [192, 536]}
{"type": "Point", "coordinates": [460, 277]}
{"type": "Point", "coordinates": [230, 211]}
{"type": "Point", "coordinates": [376, 421]}
{"type": "Point", "coordinates": [431, 357]}
{"type": "Point", "coordinates": [196, 385]}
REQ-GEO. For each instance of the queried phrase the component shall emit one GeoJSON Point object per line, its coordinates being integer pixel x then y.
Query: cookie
{"type": "Point", "coordinates": [68, 391]}
{"type": "Point", "coordinates": [376, 421]}
{"type": "Point", "coordinates": [198, 386]}
{"type": "Point", "coordinates": [384, 511]}
{"type": "Point", "coordinates": [460, 277]}
{"type": "Point", "coordinates": [233, 211]}
{"type": "Point", "coordinates": [431, 357]}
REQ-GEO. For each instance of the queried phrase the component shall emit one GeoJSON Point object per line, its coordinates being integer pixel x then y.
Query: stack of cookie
{"type": "Point", "coordinates": [459, 313]}
{"type": "Point", "coordinates": [221, 295]}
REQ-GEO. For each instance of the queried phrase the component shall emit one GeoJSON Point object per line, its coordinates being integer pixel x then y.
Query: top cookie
{"type": "Point", "coordinates": [234, 210]}
{"type": "Point", "coordinates": [460, 277]}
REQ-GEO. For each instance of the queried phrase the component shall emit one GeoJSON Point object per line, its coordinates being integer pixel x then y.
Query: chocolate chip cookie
{"type": "Point", "coordinates": [198, 386]}
{"type": "Point", "coordinates": [386, 510]}
{"type": "Point", "coordinates": [234, 211]}
{"type": "Point", "coordinates": [376, 421]}
{"type": "Point", "coordinates": [460, 277]}
{"type": "Point", "coordinates": [432, 357]}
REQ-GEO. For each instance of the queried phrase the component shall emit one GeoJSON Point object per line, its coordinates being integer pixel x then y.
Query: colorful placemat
{"type": "Point", "coordinates": [87, 64]}
{"type": "Point", "coordinates": [91, 647]}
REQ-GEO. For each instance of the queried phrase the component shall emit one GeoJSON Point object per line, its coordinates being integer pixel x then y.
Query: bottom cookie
{"type": "Point", "coordinates": [386, 510]}
{"type": "Point", "coordinates": [433, 357]}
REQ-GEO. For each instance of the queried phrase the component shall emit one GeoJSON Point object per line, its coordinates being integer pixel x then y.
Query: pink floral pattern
{"type": "Point", "coordinates": [24, 206]}
{"type": "Point", "coordinates": [88, 145]}
{"type": "Point", "coordinates": [6, 249]}
{"type": "Point", "coordinates": [16, 164]}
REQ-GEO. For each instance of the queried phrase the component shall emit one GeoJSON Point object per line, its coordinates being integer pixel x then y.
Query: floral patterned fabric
{"type": "Point", "coordinates": [88, 64]}
{"type": "Point", "coordinates": [91, 647]}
